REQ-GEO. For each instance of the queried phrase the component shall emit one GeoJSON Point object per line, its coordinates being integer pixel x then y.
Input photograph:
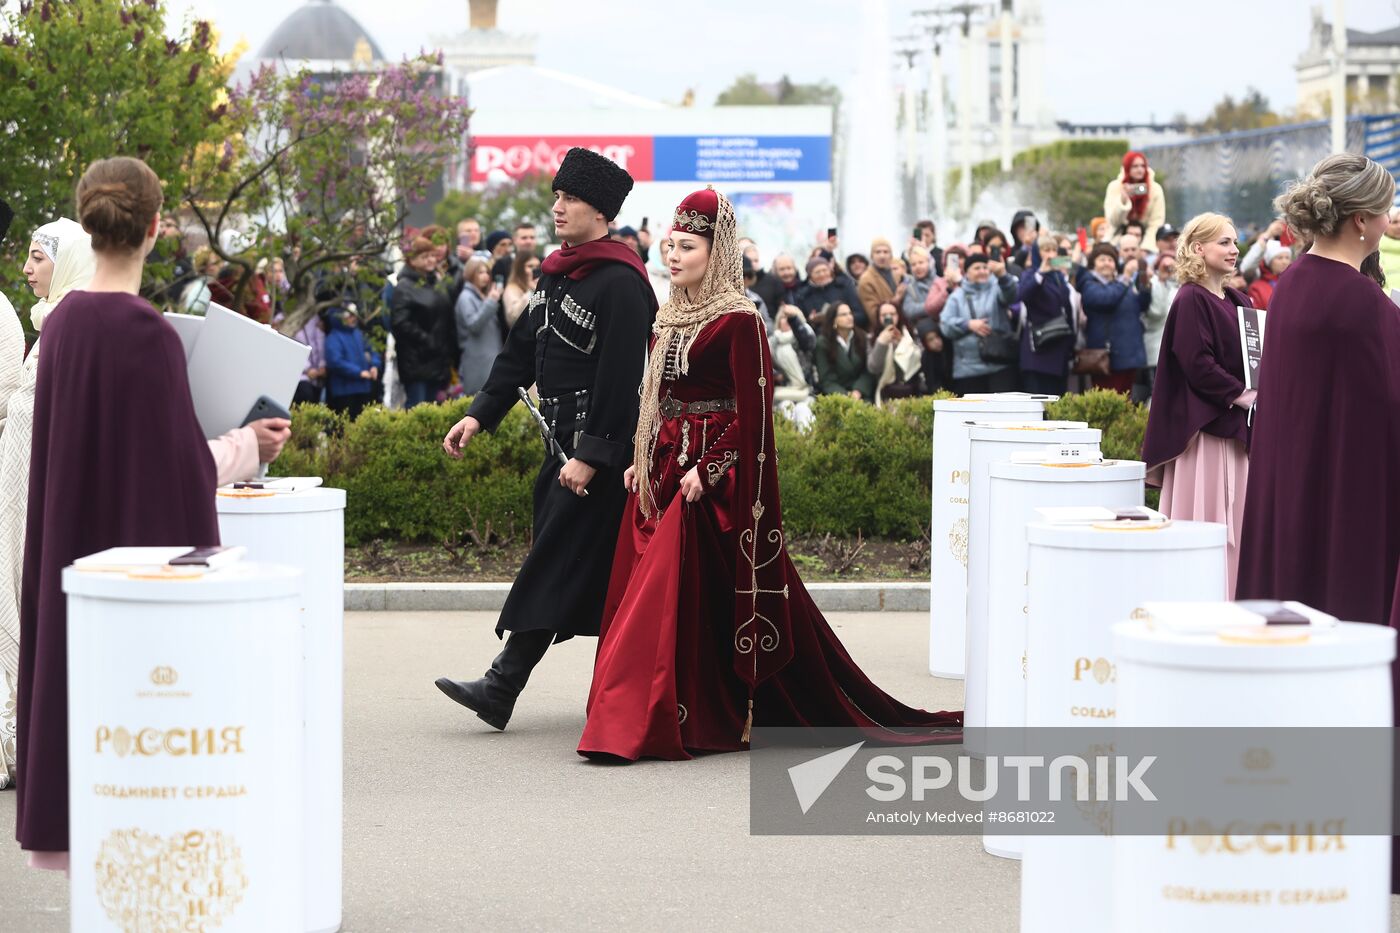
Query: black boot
{"type": "Point", "coordinates": [492, 697]}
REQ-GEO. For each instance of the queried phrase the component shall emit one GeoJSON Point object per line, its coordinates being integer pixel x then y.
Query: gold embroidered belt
{"type": "Point", "coordinates": [673, 407]}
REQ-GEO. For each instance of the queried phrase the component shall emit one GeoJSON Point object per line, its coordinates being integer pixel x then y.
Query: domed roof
{"type": "Point", "coordinates": [320, 31]}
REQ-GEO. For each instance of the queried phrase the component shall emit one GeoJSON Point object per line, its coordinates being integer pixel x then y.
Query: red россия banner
{"type": "Point", "coordinates": [517, 156]}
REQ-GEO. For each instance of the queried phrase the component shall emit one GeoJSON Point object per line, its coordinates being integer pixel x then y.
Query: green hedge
{"type": "Point", "coordinates": [1122, 422]}
{"type": "Point", "coordinates": [857, 470]}
{"type": "Point", "coordinates": [1072, 149]}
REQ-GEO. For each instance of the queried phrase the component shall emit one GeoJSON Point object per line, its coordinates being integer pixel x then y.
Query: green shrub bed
{"type": "Point", "coordinates": [858, 470]}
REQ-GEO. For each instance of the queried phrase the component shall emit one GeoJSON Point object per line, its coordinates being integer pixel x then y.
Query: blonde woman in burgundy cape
{"type": "Point", "coordinates": [707, 630]}
{"type": "Point", "coordinates": [1197, 428]}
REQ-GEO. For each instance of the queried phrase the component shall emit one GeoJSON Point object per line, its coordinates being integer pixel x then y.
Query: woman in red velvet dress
{"type": "Point", "coordinates": [707, 628]}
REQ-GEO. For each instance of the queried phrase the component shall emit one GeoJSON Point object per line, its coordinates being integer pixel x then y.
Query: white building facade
{"type": "Point", "coordinates": [1372, 63]}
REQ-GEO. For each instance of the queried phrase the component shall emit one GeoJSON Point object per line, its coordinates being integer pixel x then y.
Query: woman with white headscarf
{"type": "Point", "coordinates": [60, 260]}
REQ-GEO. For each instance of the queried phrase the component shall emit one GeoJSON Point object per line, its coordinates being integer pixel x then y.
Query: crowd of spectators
{"type": "Point", "coordinates": [1024, 308]}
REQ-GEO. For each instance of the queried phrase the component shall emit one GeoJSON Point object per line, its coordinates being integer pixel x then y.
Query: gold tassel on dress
{"type": "Point", "coordinates": [748, 725]}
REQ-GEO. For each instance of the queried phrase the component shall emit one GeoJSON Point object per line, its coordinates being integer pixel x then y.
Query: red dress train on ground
{"type": "Point", "coordinates": [706, 620]}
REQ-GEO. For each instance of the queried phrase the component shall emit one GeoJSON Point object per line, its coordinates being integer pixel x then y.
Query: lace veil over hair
{"type": "Point", "coordinates": [683, 316]}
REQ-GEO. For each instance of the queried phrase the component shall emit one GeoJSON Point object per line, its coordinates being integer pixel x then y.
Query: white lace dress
{"type": "Point", "coordinates": [17, 380]}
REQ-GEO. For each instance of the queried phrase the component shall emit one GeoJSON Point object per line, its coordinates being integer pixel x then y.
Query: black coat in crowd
{"type": "Point", "coordinates": [770, 288]}
{"type": "Point", "coordinates": [840, 290]}
{"type": "Point", "coordinates": [424, 326]}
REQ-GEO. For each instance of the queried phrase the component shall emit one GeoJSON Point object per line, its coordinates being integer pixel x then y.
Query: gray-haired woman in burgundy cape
{"type": "Point", "coordinates": [1322, 520]}
{"type": "Point", "coordinates": [1196, 430]}
{"type": "Point", "coordinates": [118, 459]}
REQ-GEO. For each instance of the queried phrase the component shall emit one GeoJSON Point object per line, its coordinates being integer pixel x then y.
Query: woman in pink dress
{"type": "Point", "coordinates": [707, 629]}
{"type": "Point", "coordinates": [1198, 430]}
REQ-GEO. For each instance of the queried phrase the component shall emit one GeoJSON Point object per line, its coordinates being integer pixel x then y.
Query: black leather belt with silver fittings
{"type": "Point", "coordinates": [566, 415]}
{"type": "Point", "coordinates": [579, 396]}
{"type": "Point", "coordinates": [673, 407]}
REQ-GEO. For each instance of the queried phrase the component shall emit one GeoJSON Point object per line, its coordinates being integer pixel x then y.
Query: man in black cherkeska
{"type": "Point", "coordinates": [582, 341]}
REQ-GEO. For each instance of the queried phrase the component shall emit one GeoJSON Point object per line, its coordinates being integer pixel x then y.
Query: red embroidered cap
{"type": "Point", "coordinates": [698, 214]}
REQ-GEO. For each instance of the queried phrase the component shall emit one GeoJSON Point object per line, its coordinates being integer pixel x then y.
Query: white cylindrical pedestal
{"type": "Point", "coordinates": [1337, 677]}
{"type": "Point", "coordinates": [307, 530]}
{"type": "Point", "coordinates": [1081, 580]}
{"type": "Point", "coordinates": [947, 638]}
{"type": "Point", "coordinates": [1016, 491]}
{"type": "Point", "coordinates": [185, 751]}
{"type": "Point", "coordinates": [988, 442]}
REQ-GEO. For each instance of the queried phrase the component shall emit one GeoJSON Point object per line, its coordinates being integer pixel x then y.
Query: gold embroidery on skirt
{"type": "Point", "coordinates": [717, 468]}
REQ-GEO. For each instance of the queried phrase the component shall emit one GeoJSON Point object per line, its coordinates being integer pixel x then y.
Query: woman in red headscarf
{"type": "Point", "coordinates": [1135, 195]}
{"type": "Point", "coordinates": [707, 629]}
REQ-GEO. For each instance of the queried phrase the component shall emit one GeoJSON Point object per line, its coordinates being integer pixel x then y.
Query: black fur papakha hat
{"type": "Point", "coordinates": [596, 179]}
{"type": "Point", "coordinates": [6, 215]}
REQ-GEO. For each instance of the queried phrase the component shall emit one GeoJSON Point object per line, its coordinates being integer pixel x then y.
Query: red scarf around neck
{"type": "Point", "coordinates": [577, 262]}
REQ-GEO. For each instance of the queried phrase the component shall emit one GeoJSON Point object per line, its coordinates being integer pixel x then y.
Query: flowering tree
{"type": "Point", "coordinates": [81, 80]}
{"type": "Point", "coordinates": [320, 172]}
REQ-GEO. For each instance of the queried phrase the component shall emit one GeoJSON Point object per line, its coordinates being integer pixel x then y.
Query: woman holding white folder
{"type": "Point", "coordinates": [116, 458]}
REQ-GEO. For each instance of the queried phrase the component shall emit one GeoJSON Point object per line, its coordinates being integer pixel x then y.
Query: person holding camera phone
{"type": "Point", "coordinates": [524, 271]}
{"type": "Point", "coordinates": [478, 335]}
{"type": "Point", "coordinates": [1165, 285]}
{"type": "Point", "coordinates": [791, 341]}
{"type": "Point", "coordinates": [1113, 303]}
{"type": "Point", "coordinates": [1047, 339]}
{"type": "Point", "coordinates": [927, 293]}
{"type": "Point", "coordinates": [824, 291]}
{"type": "Point", "coordinates": [896, 357]}
{"type": "Point", "coordinates": [1135, 195]}
{"type": "Point", "coordinates": [977, 321]}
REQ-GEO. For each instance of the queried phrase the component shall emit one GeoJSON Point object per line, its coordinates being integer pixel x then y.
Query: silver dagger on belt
{"type": "Point", "coordinates": [550, 444]}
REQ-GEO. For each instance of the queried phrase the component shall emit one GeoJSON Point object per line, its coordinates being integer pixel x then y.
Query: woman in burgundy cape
{"type": "Point", "coordinates": [1197, 428]}
{"type": "Point", "coordinates": [1322, 514]}
{"type": "Point", "coordinates": [118, 459]}
{"type": "Point", "coordinates": [707, 629]}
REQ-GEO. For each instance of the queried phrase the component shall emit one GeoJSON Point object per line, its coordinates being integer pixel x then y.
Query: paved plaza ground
{"type": "Point", "coordinates": [451, 826]}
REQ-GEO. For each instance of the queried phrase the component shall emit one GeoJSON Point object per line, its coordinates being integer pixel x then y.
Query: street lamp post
{"type": "Point", "coordinates": [911, 117]}
{"type": "Point", "coordinates": [962, 11]}
{"type": "Point", "coordinates": [1007, 76]}
{"type": "Point", "coordinates": [965, 114]}
{"type": "Point", "coordinates": [938, 124]}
